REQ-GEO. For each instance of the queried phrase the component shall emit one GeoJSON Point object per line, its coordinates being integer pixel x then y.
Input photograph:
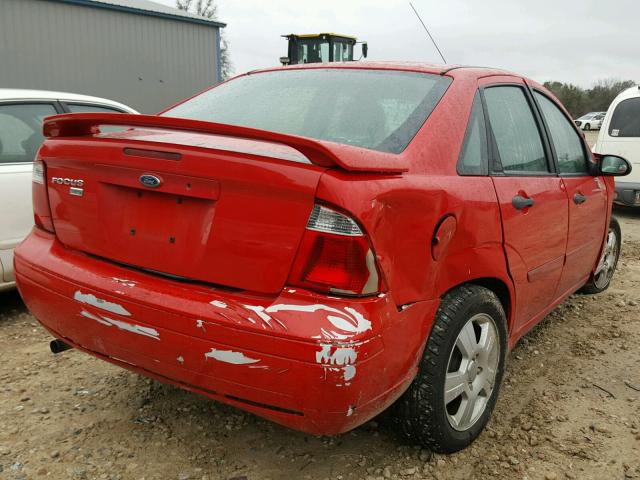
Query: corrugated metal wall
{"type": "Point", "coordinates": [145, 62]}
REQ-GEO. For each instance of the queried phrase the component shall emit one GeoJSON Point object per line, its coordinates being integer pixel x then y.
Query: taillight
{"type": "Point", "coordinates": [41, 209]}
{"type": "Point", "coordinates": [335, 256]}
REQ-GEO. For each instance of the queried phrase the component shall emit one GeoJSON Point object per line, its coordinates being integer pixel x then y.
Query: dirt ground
{"type": "Point", "coordinates": [569, 408]}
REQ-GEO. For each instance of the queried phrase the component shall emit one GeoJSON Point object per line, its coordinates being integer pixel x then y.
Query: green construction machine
{"type": "Point", "coordinates": [321, 48]}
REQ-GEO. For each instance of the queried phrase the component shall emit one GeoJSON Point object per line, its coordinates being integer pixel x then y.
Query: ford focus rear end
{"type": "Point", "coordinates": [233, 246]}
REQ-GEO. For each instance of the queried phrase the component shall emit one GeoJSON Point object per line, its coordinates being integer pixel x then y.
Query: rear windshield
{"type": "Point", "coordinates": [625, 121]}
{"type": "Point", "coordinates": [375, 109]}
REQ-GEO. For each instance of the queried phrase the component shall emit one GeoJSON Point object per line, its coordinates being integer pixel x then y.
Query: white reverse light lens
{"type": "Point", "coordinates": [323, 219]}
{"type": "Point", "coordinates": [38, 172]}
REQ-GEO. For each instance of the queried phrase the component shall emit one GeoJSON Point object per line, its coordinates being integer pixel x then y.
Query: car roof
{"type": "Point", "coordinates": [23, 94]}
{"type": "Point", "coordinates": [466, 72]}
{"type": "Point", "coordinates": [423, 67]}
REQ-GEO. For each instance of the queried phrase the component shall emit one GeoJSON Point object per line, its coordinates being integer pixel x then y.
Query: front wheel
{"type": "Point", "coordinates": [451, 399]}
{"type": "Point", "coordinates": [587, 127]}
{"type": "Point", "coordinates": [601, 278]}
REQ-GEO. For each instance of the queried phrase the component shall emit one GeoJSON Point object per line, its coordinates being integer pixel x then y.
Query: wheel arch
{"type": "Point", "coordinates": [500, 288]}
{"type": "Point", "coordinates": [484, 265]}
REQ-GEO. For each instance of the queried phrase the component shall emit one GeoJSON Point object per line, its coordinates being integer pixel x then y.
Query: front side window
{"type": "Point", "coordinates": [566, 142]}
{"type": "Point", "coordinates": [625, 121]}
{"type": "Point", "coordinates": [21, 131]}
{"type": "Point", "coordinates": [516, 133]}
{"type": "Point", "coordinates": [375, 109]}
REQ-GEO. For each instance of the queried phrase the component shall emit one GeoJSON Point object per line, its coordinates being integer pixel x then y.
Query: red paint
{"type": "Point", "coordinates": [534, 240]}
{"type": "Point", "coordinates": [319, 153]}
{"type": "Point", "coordinates": [252, 327]}
{"type": "Point", "coordinates": [584, 236]}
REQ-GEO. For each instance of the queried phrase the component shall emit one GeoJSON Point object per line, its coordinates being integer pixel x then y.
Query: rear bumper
{"type": "Point", "coordinates": [626, 193]}
{"type": "Point", "coordinates": [314, 363]}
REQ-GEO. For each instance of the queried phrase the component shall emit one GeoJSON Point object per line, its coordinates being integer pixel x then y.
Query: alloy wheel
{"type": "Point", "coordinates": [607, 264]}
{"type": "Point", "coordinates": [471, 371]}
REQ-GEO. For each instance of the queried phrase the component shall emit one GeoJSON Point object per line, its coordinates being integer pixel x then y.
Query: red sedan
{"type": "Point", "coordinates": [315, 244]}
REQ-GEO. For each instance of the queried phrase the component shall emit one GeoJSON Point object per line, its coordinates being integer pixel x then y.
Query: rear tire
{"type": "Point", "coordinates": [601, 279]}
{"type": "Point", "coordinates": [453, 395]}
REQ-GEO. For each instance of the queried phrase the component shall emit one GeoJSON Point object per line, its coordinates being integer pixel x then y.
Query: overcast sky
{"type": "Point", "coordinates": [567, 40]}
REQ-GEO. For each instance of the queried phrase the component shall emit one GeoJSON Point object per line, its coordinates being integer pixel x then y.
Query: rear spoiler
{"type": "Point", "coordinates": [321, 153]}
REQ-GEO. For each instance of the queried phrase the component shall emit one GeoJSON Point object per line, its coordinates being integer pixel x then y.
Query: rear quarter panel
{"type": "Point", "coordinates": [402, 212]}
{"type": "Point", "coordinates": [401, 215]}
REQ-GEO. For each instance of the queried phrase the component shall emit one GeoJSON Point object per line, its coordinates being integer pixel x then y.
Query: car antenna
{"type": "Point", "coordinates": [427, 30]}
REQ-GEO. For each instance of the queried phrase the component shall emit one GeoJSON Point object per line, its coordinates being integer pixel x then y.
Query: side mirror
{"type": "Point", "coordinates": [365, 49]}
{"type": "Point", "coordinates": [614, 166]}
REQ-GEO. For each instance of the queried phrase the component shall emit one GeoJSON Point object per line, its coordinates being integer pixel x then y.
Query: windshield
{"type": "Point", "coordinates": [376, 109]}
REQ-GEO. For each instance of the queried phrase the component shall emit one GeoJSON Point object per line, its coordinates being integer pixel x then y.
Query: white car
{"type": "Point", "coordinates": [590, 121]}
{"type": "Point", "coordinates": [21, 114]}
{"type": "Point", "coordinates": [620, 135]}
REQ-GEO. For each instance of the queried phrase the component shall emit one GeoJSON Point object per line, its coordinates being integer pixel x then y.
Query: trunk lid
{"type": "Point", "coordinates": [225, 211]}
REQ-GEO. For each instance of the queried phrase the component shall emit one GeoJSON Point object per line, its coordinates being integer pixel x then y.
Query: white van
{"type": "Point", "coordinates": [620, 135]}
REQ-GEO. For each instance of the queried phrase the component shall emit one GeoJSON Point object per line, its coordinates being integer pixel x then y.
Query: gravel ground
{"type": "Point", "coordinates": [569, 408]}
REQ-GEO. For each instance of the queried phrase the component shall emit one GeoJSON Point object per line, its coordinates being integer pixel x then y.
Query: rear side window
{"type": "Point", "coordinates": [21, 131]}
{"type": "Point", "coordinates": [473, 155]}
{"type": "Point", "coordinates": [375, 109]}
{"type": "Point", "coordinates": [566, 142]}
{"type": "Point", "coordinates": [517, 138]}
{"type": "Point", "coordinates": [625, 121]}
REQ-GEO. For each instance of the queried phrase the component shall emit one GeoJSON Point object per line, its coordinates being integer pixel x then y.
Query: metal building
{"type": "Point", "coordinates": [137, 52]}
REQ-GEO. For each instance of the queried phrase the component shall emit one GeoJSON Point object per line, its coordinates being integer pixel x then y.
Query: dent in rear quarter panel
{"type": "Point", "coordinates": [401, 212]}
{"type": "Point", "coordinates": [400, 215]}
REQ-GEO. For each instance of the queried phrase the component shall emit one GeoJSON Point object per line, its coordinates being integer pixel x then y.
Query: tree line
{"type": "Point", "coordinates": [596, 99]}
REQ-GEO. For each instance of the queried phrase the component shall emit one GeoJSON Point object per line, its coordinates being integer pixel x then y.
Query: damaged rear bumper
{"type": "Point", "coordinates": [314, 363]}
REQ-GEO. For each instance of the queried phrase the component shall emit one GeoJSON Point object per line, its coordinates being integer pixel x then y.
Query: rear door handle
{"type": "Point", "coordinates": [578, 198]}
{"type": "Point", "coordinates": [521, 202]}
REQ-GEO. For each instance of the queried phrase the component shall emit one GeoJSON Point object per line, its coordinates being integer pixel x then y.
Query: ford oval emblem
{"type": "Point", "coordinates": [150, 180]}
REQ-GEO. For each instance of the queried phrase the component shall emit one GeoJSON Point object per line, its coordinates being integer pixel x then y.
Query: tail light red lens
{"type": "Point", "coordinates": [41, 208]}
{"type": "Point", "coordinates": [335, 256]}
